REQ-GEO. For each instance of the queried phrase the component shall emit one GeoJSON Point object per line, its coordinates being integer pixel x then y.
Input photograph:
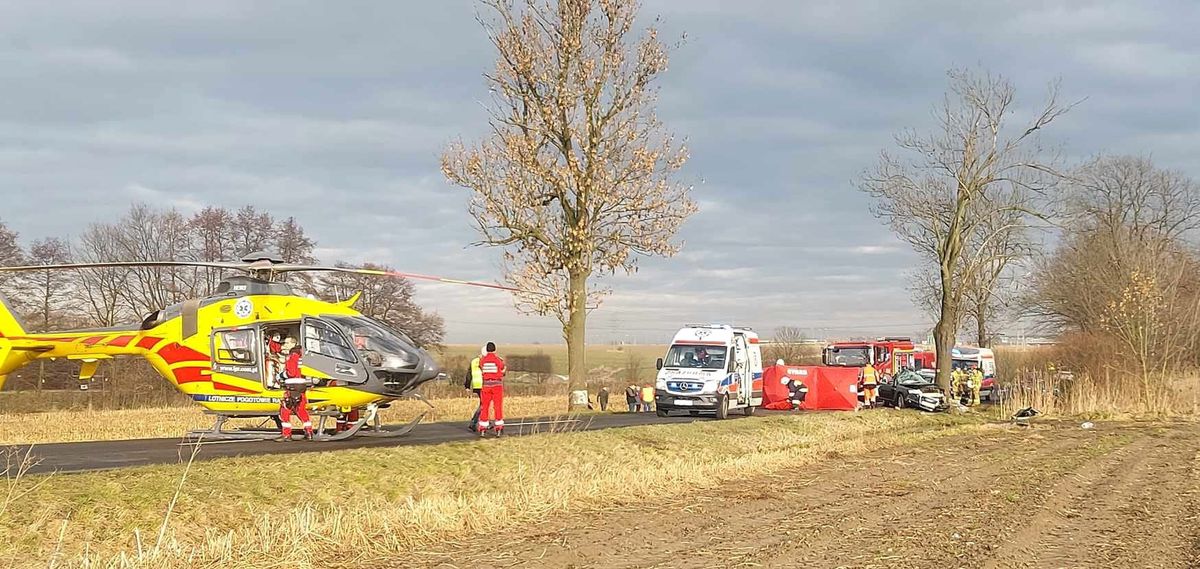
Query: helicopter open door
{"type": "Point", "coordinates": [326, 350]}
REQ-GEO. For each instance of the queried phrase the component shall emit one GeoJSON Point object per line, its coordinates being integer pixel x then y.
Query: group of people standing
{"type": "Point", "coordinates": [965, 383]}
{"type": "Point", "coordinates": [640, 399]}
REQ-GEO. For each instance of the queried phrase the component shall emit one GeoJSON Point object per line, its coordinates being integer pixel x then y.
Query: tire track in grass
{"type": "Point", "coordinates": [1118, 511]}
{"type": "Point", "coordinates": [699, 531]}
{"type": "Point", "coordinates": [940, 523]}
{"type": "Point", "coordinates": [1009, 496]}
{"type": "Point", "coordinates": [989, 489]}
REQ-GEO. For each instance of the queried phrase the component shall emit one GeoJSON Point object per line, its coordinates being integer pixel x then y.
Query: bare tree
{"type": "Point", "coordinates": [964, 188]}
{"type": "Point", "coordinates": [390, 300]}
{"type": "Point", "coordinates": [634, 367]}
{"type": "Point", "coordinates": [50, 290]}
{"type": "Point", "coordinates": [1125, 270]}
{"type": "Point", "coordinates": [578, 175]}
{"type": "Point", "coordinates": [985, 275]}
{"type": "Point", "coordinates": [1120, 215]}
{"type": "Point", "coordinates": [147, 234]}
{"type": "Point", "coordinates": [292, 244]}
{"type": "Point", "coordinates": [11, 254]}
{"type": "Point", "coordinates": [103, 290]}
{"type": "Point", "coordinates": [251, 230]}
{"type": "Point", "coordinates": [787, 344]}
{"type": "Point", "coordinates": [999, 244]}
{"type": "Point", "coordinates": [212, 240]}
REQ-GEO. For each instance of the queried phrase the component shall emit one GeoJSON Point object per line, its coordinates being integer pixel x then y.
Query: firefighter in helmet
{"type": "Point", "coordinates": [976, 383]}
{"type": "Point", "coordinates": [958, 383]}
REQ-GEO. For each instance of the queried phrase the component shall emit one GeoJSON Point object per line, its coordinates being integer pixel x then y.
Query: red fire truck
{"type": "Point", "coordinates": [887, 355]}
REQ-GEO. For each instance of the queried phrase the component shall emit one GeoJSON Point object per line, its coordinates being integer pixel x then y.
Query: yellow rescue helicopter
{"type": "Point", "coordinates": [221, 350]}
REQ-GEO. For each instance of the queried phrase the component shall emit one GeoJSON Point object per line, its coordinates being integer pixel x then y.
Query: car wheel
{"type": "Point", "coordinates": [900, 401]}
{"type": "Point", "coordinates": [661, 412]}
{"type": "Point", "coordinates": [722, 406]}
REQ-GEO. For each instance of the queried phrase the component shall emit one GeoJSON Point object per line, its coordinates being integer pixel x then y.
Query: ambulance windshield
{"type": "Point", "coordinates": [691, 356]}
{"type": "Point", "coordinates": [963, 364]}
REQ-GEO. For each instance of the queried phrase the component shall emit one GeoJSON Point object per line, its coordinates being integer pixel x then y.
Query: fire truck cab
{"type": "Point", "coordinates": [710, 368]}
{"type": "Point", "coordinates": [887, 355]}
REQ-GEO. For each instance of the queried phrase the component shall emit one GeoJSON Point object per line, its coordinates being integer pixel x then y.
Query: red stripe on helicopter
{"type": "Point", "coordinates": [148, 342]}
{"type": "Point", "coordinates": [92, 340]}
{"type": "Point", "coordinates": [189, 374]}
{"type": "Point", "coordinates": [121, 341]}
{"type": "Point", "coordinates": [174, 353]}
{"type": "Point", "coordinates": [226, 387]}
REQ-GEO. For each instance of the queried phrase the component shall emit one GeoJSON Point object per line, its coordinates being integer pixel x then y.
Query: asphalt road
{"type": "Point", "coordinates": [102, 455]}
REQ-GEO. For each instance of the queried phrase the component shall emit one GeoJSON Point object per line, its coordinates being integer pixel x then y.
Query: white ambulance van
{"type": "Point", "coordinates": [710, 368]}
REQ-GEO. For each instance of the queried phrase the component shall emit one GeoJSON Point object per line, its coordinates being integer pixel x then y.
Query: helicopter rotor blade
{"type": "Point", "coordinates": [397, 274]}
{"type": "Point", "coordinates": [253, 268]}
{"type": "Point", "coordinates": [129, 264]}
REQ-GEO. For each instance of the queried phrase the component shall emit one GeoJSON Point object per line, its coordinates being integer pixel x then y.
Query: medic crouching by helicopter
{"type": "Point", "coordinates": [295, 397]}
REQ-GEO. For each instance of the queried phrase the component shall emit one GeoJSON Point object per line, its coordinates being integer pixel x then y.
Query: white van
{"type": "Point", "coordinates": [710, 368]}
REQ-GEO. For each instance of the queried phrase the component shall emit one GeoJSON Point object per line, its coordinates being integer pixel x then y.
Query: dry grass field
{"type": "Point", "coordinates": [375, 505]}
{"type": "Point", "coordinates": [1119, 496]}
{"type": "Point", "coordinates": [887, 488]}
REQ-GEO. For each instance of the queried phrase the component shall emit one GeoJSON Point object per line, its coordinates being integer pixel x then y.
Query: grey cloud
{"type": "Point", "coordinates": [336, 114]}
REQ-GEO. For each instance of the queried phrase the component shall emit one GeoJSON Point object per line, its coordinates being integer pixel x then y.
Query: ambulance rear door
{"type": "Point", "coordinates": [741, 369]}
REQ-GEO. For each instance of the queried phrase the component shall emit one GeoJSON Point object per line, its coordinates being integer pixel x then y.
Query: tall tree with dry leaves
{"type": "Point", "coordinates": [578, 176]}
{"type": "Point", "coordinates": [963, 193]}
{"type": "Point", "coordinates": [11, 253]}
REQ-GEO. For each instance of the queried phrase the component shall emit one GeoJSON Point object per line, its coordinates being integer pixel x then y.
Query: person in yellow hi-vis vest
{"type": "Point", "coordinates": [647, 398]}
{"type": "Point", "coordinates": [976, 384]}
{"type": "Point", "coordinates": [870, 385]}
{"type": "Point", "coordinates": [958, 380]}
{"type": "Point", "coordinates": [476, 386]}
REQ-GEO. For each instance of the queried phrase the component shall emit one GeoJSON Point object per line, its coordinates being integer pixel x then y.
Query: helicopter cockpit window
{"type": "Point", "coordinates": [235, 347]}
{"type": "Point", "coordinates": [375, 341]}
{"type": "Point", "coordinates": [321, 338]}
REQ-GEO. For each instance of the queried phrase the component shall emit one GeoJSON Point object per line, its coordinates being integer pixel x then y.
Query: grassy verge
{"type": "Point", "coordinates": [343, 508]}
{"type": "Point", "coordinates": [105, 425]}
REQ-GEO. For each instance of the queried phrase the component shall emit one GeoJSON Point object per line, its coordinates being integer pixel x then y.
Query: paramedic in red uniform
{"type": "Point", "coordinates": [295, 397]}
{"type": "Point", "coordinates": [492, 395]}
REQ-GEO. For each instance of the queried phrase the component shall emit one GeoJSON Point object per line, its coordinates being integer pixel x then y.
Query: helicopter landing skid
{"type": "Point", "coordinates": [376, 430]}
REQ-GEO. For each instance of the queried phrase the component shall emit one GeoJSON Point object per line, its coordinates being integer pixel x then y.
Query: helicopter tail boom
{"type": "Point", "coordinates": [10, 323]}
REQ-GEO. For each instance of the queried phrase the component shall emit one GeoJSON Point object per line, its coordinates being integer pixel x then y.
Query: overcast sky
{"type": "Point", "coordinates": [336, 112]}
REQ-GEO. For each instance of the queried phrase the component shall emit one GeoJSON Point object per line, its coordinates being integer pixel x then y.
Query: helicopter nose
{"type": "Point", "coordinates": [431, 369]}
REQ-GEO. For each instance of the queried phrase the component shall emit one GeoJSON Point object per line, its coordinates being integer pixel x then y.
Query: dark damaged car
{"type": "Point", "coordinates": [909, 389]}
